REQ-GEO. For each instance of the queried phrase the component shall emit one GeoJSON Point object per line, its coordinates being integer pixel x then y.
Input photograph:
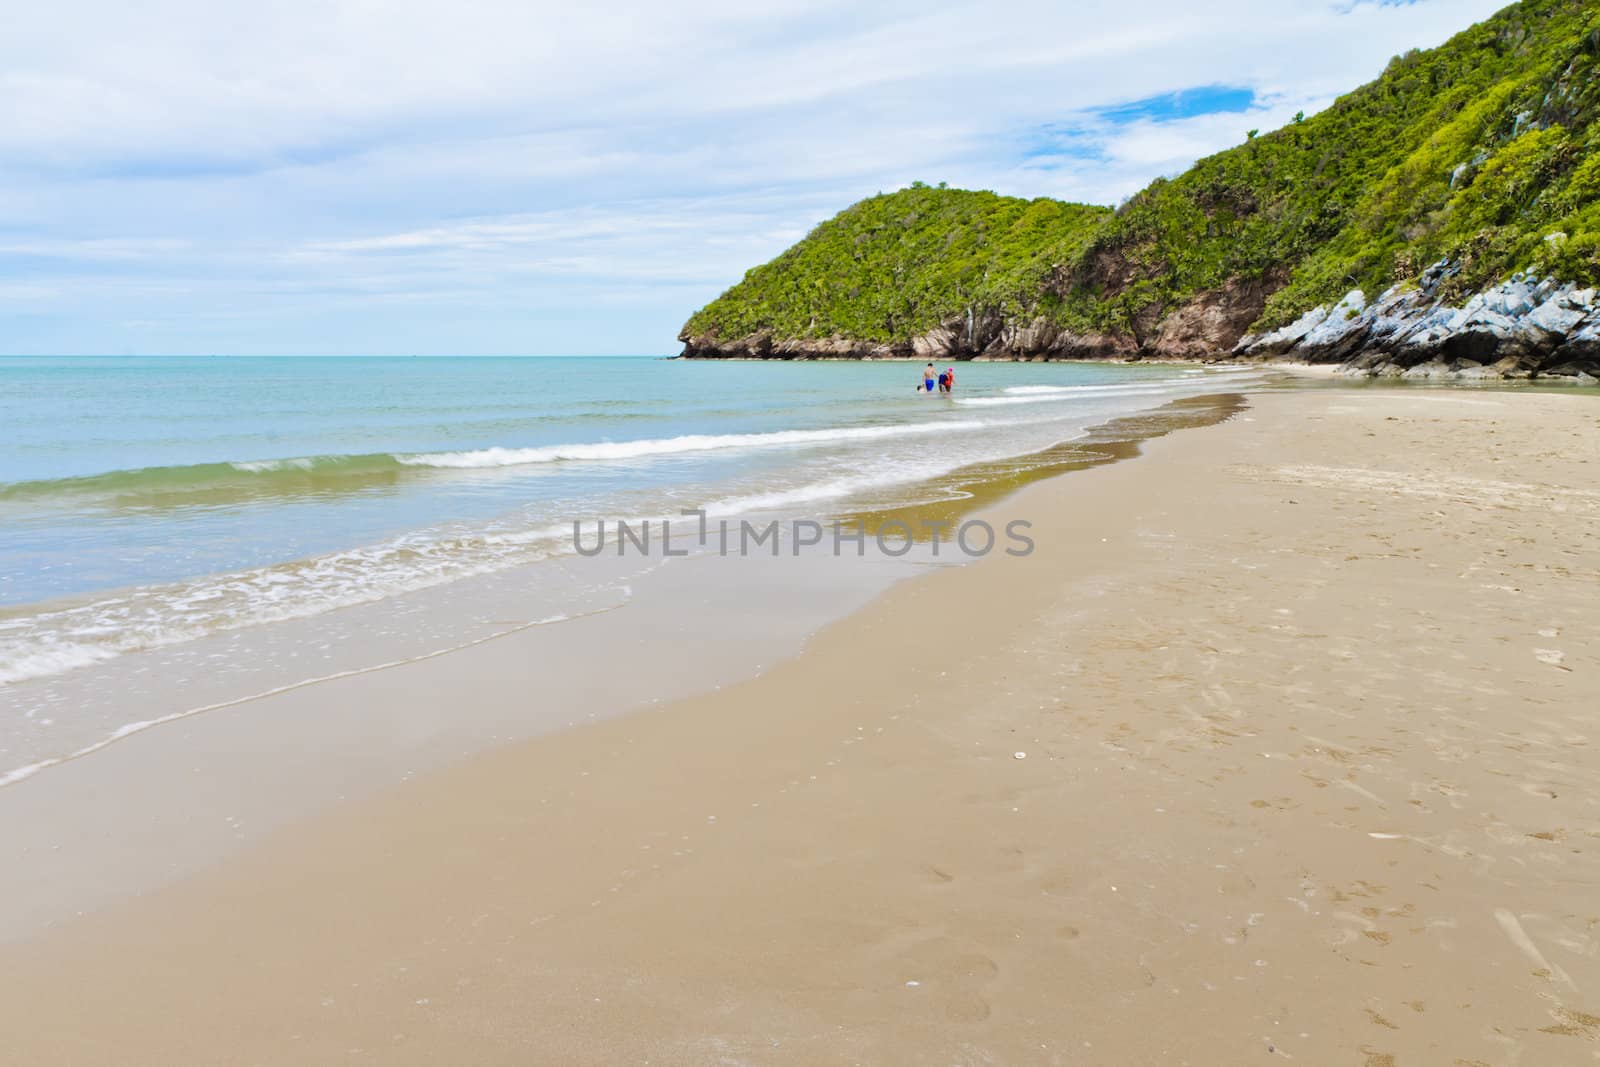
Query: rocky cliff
{"type": "Point", "coordinates": [1526, 327]}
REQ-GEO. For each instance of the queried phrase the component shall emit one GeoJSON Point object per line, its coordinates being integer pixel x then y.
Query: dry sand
{"type": "Point", "coordinates": [1310, 710]}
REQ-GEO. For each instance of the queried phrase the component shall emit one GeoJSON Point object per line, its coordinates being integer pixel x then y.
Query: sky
{"type": "Point", "coordinates": [479, 177]}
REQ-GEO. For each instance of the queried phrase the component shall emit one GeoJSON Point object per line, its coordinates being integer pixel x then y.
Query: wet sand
{"type": "Point", "coordinates": [1284, 743]}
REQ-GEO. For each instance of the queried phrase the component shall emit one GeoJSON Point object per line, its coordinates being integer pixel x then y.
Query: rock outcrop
{"type": "Point", "coordinates": [1526, 327]}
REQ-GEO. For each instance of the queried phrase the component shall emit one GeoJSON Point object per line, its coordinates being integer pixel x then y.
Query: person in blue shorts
{"type": "Point", "coordinates": [928, 377]}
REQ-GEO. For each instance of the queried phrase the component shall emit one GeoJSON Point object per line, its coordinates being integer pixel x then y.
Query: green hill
{"type": "Point", "coordinates": [903, 263]}
{"type": "Point", "coordinates": [1476, 151]}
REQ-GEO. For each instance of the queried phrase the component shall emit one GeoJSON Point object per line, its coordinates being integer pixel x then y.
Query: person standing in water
{"type": "Point", "coordinates": [947, 380]}
{"type": "Point", "coordinates": [928, 376]}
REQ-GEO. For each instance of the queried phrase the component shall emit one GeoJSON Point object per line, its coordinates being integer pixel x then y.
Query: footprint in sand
{"type": "Point", "coordinates": [1058, 884]}
{"type": "Point", "coordinates": [971, 974]}
{"type": "Point", "coordinates": [966, 1008]}
{"type": "Point", "coordinates": [976, 966]}
{"type": "Point", "coordinates": [1235, 884]}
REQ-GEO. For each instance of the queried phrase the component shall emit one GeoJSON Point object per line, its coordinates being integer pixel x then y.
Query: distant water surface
{"type": "Point", "coordinates": [148, 502]}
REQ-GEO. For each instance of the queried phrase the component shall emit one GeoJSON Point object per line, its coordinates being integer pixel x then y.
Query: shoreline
{"type": "Point", "coordinates": [224, 738]}
{"type": "Point", "coordinates": [844, 859]}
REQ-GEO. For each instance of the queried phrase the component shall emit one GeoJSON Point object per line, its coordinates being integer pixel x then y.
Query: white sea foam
{"type": "Point", "coordinates": [1037, 394]}
{"type": "Point", "coordinates": [1053, 397]}
{"type": "Point", "coordinates": [619, 450]}
{"type": "Point", "coordinates": [837, 488]}
{"type": "Point", "coordinates": [60, 639]}
{"type": "Point", "coordinates": [264, 466]}
{"type": "Point", "coordinates": [1083, 390]}
{"type": "Point", "coordinates": [828, 490]}
{"type": "Point", "coordinates": [46, 657]}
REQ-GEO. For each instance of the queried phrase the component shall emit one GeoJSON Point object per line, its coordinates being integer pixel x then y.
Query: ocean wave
{"type": "Point", "coordinates": [666, 446]}
{"type": "Point", "coordinates": [228, 479]}
{"type": "Point", "coordinates": [43, 640]}
{"type": "Point", "coordinates": [1075, 390]}
{"type": "Point", "coordinates": [835, 488]}
{"type": "Point", "coordinates": [1037, 394]}
{"type": "Point", "coordinates": [1052, 397]}
{"type": "Point", "coordinates": [56, 639]}
{"type": "Point", "coordinates": [242, 479]}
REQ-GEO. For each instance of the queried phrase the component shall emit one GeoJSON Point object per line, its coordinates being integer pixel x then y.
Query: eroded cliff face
{"type": "Point", "coordinates": [1206, 328]}
{"type": "Point", "coordinates": [1213, 322]}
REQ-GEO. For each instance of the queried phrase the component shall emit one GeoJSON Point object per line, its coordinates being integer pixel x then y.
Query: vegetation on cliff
{"type": "Point", "coordinates": [1480, 151]}
{"type": "Point", "coordinates": [902, 263]}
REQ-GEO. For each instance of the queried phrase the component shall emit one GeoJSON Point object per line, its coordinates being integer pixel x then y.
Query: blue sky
{"type": "Point", "coordinates": [348, 176]}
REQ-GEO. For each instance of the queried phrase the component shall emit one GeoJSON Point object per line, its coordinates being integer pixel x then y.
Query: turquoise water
{"type": "Point", "coordinates": [147, 501]}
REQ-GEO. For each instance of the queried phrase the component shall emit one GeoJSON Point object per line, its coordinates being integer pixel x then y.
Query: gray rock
{"type": "Point", "coordinates": [1582, 347]}
{"type": "Point", "coordinates": [1282, 340]}
{"type": "Point", "coordinates": [1340, 332]}
{"type": "Point", "coordinates": [1512, 367]}
{"type": "Point", "coordinates": [1511, 298]}
{"type": "Point", "coordinates": [1526, 326]}
{"type": "Point", "coordinates": [1427, 372]}
{"type": "Point", "coordinates": [1578, 299]}
{"type": "Point", "coordinates": [1553, 318]}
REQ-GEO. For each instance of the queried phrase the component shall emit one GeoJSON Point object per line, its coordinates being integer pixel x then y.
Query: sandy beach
{"type": "Point", "coordinates": [1283, 745]}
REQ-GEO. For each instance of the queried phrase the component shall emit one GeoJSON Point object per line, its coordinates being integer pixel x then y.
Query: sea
{"type": "Point", "coordinates": [168, 503]}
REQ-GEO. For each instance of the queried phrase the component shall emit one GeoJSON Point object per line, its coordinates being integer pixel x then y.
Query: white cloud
{"type": "Point", "coordinates": [197, 166]}
{"type": "Point", "coordinates": [21, 293]}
